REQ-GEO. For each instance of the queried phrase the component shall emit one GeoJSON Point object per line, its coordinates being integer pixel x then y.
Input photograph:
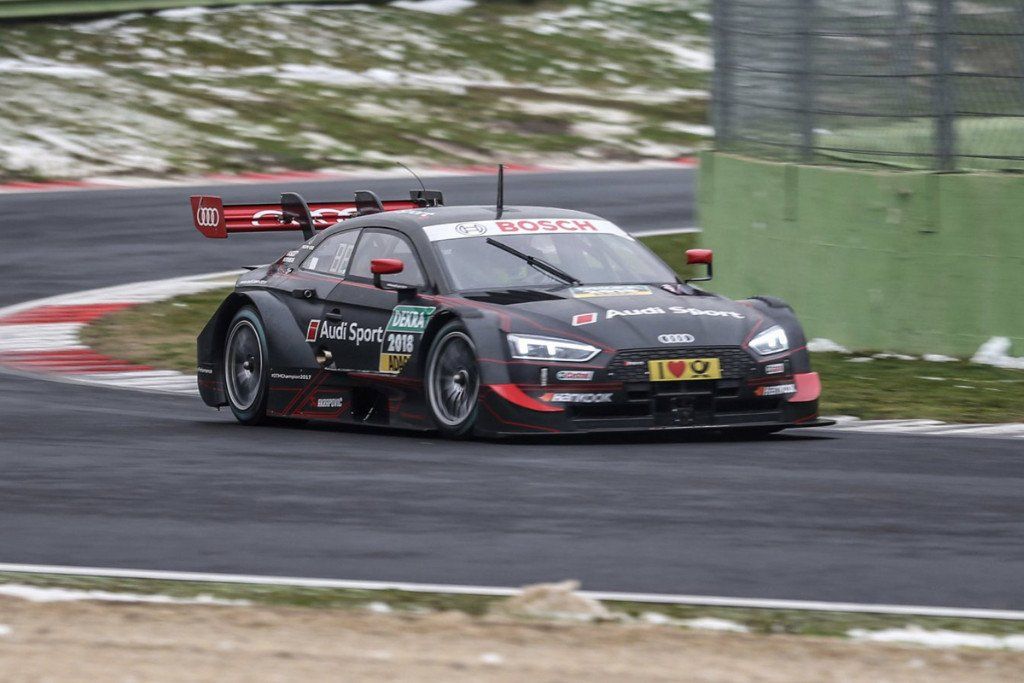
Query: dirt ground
{"type": "Point", "coordinates": [80, 641]}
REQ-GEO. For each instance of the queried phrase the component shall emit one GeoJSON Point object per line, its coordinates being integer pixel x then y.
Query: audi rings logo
{"type": "Point", "coordinates": [471, 229]}
{"type": "Point", "coordinates": [207, 217]}
{"type": "Point", "coordinates": [676, 338]}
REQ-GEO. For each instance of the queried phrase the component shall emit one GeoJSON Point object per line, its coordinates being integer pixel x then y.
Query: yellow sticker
{"type": "Point", "coordinates": [393, 363]}
{"type": "Point", "coordinates": [676, 370]}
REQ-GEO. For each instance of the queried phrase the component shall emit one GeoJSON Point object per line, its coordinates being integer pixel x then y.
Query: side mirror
{"type": "Point", "coordinates": [698, 256]}
{"type": "Point", "coordinates": [385, 266]}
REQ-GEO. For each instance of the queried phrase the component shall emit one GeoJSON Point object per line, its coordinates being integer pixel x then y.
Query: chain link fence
{"type": "Point", "coordinates": [926, 84]}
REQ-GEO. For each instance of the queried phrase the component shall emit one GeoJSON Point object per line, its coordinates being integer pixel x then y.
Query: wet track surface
{"type": "Point", "coordinates": [101, 477]}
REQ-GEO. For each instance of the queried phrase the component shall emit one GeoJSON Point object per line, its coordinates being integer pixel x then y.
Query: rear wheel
{"type": "Point", "coordinates": [245, 367]}
{"type": "Point", "coordinates": [453, 381]}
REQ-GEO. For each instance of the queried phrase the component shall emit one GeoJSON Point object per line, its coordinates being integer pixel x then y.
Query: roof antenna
{"type": "Point", "coordinates": [422, 186]}
{"type": "Point", "coordinates": [501, 190]}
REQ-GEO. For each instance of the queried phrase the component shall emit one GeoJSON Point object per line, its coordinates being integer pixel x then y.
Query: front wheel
{"type": "Point", "coordinates": [453, 381]}
{"type": "Point", "coordinates": [245, 367]}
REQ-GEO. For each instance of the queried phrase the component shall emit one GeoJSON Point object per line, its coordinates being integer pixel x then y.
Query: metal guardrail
{"type": "Point", "coordinates": [925, 84]}
{"type": "Point", "coordinates": [38, 9]}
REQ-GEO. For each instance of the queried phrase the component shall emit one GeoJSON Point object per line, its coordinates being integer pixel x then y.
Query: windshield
{"type": "Point", "coordinates": [595, 258]}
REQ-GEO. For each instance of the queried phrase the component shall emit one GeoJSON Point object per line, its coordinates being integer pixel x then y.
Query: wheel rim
{"type": "Point", "coordinates": [454, 379]}
{"type": "Point", "coordinates": [243, 365]}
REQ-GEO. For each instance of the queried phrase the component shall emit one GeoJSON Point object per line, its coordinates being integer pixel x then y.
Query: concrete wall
{"type": "Point", "coordinates": [875, 260]}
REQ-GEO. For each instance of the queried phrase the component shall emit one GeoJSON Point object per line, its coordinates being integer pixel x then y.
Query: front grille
{"type": "Point", "coordinates": [631, 365]}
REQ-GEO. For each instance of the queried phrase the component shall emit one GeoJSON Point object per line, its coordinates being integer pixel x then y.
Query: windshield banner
{"type": "Point", "coordinates": [522, 226]}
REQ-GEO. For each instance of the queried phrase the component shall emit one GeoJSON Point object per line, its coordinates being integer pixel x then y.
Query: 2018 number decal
{"type": "Point", "coordinates": [401, 343]}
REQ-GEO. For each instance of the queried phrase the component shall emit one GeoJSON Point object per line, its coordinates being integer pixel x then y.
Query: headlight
{"type": "Point", "coordinates": [546, 348]}
{"type": "Point", "coordinates": [772, 340]}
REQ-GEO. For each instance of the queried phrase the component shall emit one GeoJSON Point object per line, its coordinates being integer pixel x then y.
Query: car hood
{"type": "Point", "coordinates": [629, 316]}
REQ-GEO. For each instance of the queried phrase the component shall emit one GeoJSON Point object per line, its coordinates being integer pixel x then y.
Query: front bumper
{"type": "Point", "coordinates": [751, 393]}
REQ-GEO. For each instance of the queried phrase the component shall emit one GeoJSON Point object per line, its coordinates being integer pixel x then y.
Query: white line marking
{"type": "Point", "coordinates": [455, 589]}
{"type": "Point", "coordinates": [654, 232]}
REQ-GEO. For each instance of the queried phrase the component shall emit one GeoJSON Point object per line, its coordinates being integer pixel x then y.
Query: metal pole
{"type": "Point", "coordinates": [944, 97]}
{"type": "Point", "coordinates": [721, 109]}
{"type": "Point", "coordinates": [805, 78]}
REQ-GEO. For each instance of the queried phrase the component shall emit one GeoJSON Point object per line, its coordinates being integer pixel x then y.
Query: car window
{"type": "Point", "coordinates": [332, 256]}
{"type": "Point", "coordinates": [379, 244]}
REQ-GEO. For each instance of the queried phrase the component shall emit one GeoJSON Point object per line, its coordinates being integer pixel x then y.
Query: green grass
{"type": "Point", "coordinates": [163, 334]}
{"type": "Point", "coordinates": [761, 621]}
{"type": "Point", "coordinates": [332, 87]}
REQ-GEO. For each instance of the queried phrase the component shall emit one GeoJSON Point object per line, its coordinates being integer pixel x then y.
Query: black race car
{"type": "Point", "coordinates": [490, 321]}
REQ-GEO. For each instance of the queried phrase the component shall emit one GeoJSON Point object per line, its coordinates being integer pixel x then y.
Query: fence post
{"type": "Point", "coordinates": [944, 97]}
{"type": "Point", "coordinates": [805, 78]}
{"type": "Point", "coordinates": [722, 85]}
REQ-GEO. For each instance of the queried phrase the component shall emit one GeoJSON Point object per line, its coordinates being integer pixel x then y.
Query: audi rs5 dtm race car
{"type": "Point", "coordinates": [489, 321]}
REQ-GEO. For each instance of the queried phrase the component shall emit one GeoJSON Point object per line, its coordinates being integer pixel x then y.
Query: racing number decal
{"type": "Point", "coordinates": [684, 369]}
{"type": "Point", "coordinates": [401, 336]}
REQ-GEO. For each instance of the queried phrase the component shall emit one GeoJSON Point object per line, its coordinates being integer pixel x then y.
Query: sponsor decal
{"type": "Point", "coordinates": [204, 371]}
{"type": "Point", "coordinates": [676, 338]}
{"type": "Point", "coordinates": [471, 229]}
{"type": "Point", "coordinates": [611, 290]}
{"type": "Point", "coordinates": [575, 375]}
{"type": "Point", "coordinates": [207, 217]}
{"type": "Point", "coordinates": [251, 283]}
{"type": "Point", "coordinates": [290, 375]}
{"type": "Point", "coordinates": [584, 319]}
{"type": "Point", "coordinates": [410, 318]}
{"type": "Point", "coordinates": [775, 368]}
{"type": "Point", "coordinates": [318, 330]}
{"type": "Point", "coordinates": [290, 256]}
{"type": "Point", "coordinates": [576, 398]}
{"type": "Point", "coordinates": [322, 218]}
{"type": "Point", "coordinates": [329, 402]}
{"type": "Point", "coordinates": [393, 363]}
{"type": "Point", "coordinates": [449, 231]}
{"type": "Point", "coordinates": [684, 369]}
{"type": "Point", "coordinates": [673, 310]}
{"type": "Point", "coordinates": [401, 336]}
{"type": "Point", "coordinates": [775, 390]}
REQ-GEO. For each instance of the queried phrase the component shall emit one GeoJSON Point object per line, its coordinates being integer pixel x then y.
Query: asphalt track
{"type": "Point", "coordinates": [101, 477]}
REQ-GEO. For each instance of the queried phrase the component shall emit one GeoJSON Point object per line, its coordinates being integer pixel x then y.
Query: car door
{"type": "Point", "coordinates": [361, 334]}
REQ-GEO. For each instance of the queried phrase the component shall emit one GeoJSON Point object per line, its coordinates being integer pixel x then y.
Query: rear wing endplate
{"type": "Point", "coordinates": [217, 220]}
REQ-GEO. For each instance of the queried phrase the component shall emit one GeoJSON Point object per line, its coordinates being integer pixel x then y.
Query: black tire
{"type": "Point", "coordinates": [245, 367]}
{"type": "Point", "coordinates": [452, 381]}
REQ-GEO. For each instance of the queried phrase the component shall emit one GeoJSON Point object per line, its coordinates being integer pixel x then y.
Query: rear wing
{"type": "Point", "coordinates": [217, 220]}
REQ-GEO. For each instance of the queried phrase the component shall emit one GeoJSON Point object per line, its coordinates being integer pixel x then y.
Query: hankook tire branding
{"type": "Point", "coordinates": [576, 398]}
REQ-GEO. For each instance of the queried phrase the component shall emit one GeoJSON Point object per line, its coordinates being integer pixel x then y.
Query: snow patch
{"type": "Point", "coordinates": [996, 352]}
{"type": "Point", "coordinates": [45, 67]}
{"type": "Point", "coordinates": [552, 601]}
{"type": "Point", "coordinates": [36, 594]}
{"type": "Point", "coordinates": [820, 345]}
{"type": "Point", "coordinates": [700, 623]}
{"type": "Point", "coordinates": [378, 607]}
{"type": "Point", "coordinates": [715, 624]}
{"type": "Point", "coordinates": [938, 358]}
{"type": "Point", "coordinates": [492, 659]}
{"type": "Point", "coordinates": [435, 6]}
{"type": "Point", "coordinates": [945, 639]}
{"type": "Point", "coordinates": [4, 630]}
{"type": "Point", "coordinates": [184, 13]}
{"type": "Point", "coordinates": [894, 356]}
